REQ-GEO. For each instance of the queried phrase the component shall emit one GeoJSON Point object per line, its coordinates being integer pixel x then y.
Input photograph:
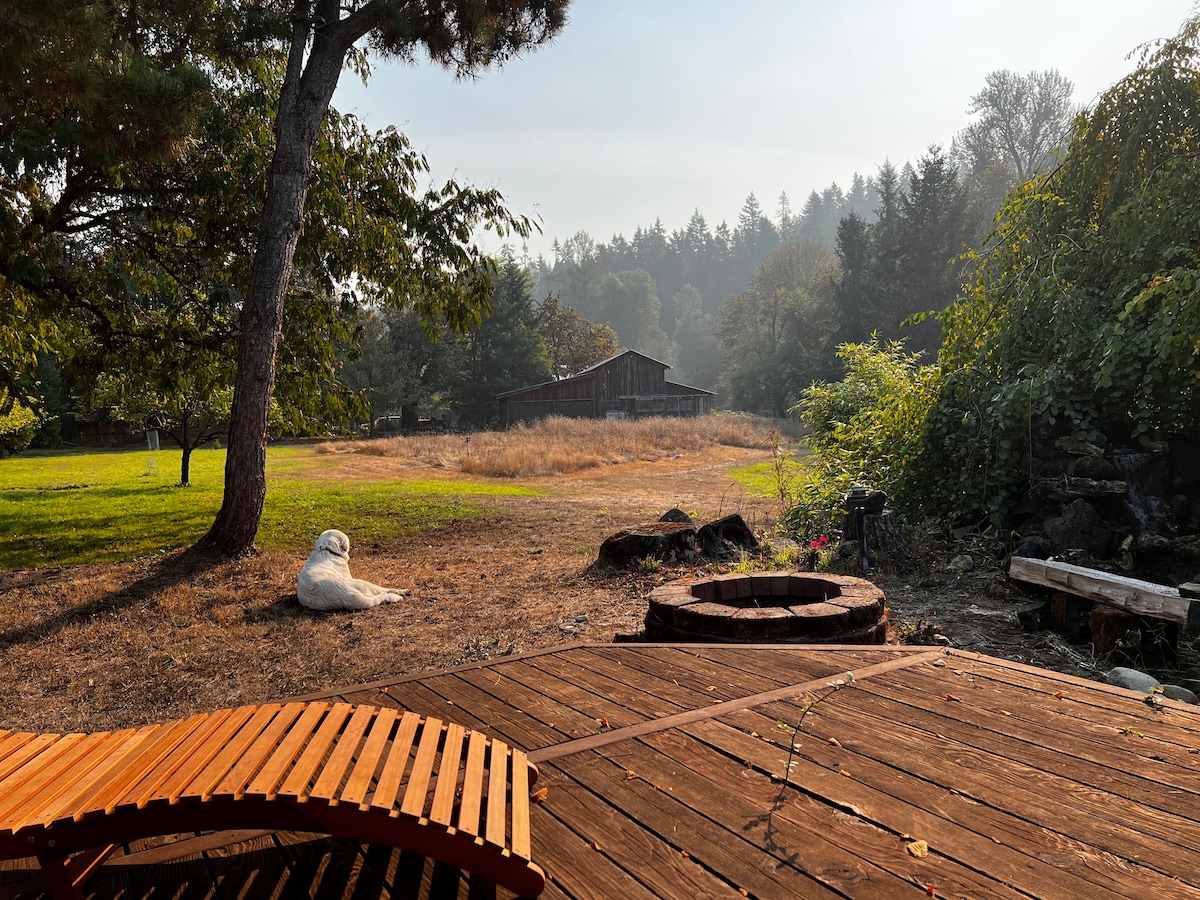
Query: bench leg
{"type": "Point", "coordinates": [65, 875]}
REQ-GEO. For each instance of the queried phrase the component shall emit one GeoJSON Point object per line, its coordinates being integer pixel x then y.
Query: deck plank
{"type": "Point", "coordinates": [1092, 814]}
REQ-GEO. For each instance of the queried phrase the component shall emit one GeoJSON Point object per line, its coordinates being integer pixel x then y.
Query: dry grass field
{"type": "Point", "coordinates": [118, 644]}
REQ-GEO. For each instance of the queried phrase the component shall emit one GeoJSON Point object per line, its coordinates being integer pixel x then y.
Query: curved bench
{"type": "Point", "coordinates": [363, 772]}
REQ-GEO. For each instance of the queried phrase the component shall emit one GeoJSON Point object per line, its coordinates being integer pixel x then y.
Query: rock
{"type": "Point", "coordinates": [1080, 527]}
{"type": "Point", "coordinates": [1034, 548]}
{"type": "Point", "coordinates": [1096, 468]}
{"type": "Point", "coordinates": [1187, 546]}
{"type": "Point", "coordinates": [1087, 487]}
{"type": "Point", "coordinates": [1176, 692]}
{"type": "Point", "coordinates": [666, 541]}
{"type": "Point", "coordinates": [723, 538]}
{"type": "Point", "coordinates": [961, 564]}
{"type": "Point", "coordinates": [1078, 447]}
{"type": "Point", "coordinates": [1132, 679]}
{"type": "Point", "coordinates": [677, 515]}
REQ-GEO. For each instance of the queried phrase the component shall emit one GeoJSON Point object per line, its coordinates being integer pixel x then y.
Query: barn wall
{"type": "Point", "coordinates": [529, 410]}
{"type": "Point", "coordinates": [628, 375]}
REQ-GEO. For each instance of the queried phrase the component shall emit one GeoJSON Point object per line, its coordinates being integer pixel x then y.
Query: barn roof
{"type": "Point", "coordinates": [595, 367]}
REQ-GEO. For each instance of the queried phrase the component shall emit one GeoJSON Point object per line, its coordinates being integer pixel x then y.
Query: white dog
{"type": "Point", "coordinates": [325, 581]}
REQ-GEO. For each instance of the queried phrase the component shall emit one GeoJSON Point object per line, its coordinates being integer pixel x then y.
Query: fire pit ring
{"type": "Point", "coordinates": [769, 607]}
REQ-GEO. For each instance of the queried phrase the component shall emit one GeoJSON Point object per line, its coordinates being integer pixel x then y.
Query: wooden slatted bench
{"type": "Point", "coordinates": [362, 772]}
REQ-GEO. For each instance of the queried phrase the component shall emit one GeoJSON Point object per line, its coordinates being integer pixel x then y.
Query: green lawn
{"type": "Point", "coordinates": [68, 508]}
{"type": "Point", "coordinates": [763, 478]}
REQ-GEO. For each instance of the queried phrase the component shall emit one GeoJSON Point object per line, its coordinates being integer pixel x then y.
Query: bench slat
{"type": "Point", "coordinates": [442, 810]}
{"type": "Point", "coordinates": [520, 804]}
{"type": "Point", "coordinates": [343, 754]}
{"type": "Point", "coordinates": [25, 752]}
{"type": "Point", "coordinates": [417, 790]}
{"type": "Point", "coordinates": [497, 801]}
{"type": "Point", "coordinates": [472, 792]}
{"type": "Point", "coordinates": [360, 779]}
{"type": "Point", "coordinates": [134, 784]}
{"type": "Point", "coordinates": [397, 763]}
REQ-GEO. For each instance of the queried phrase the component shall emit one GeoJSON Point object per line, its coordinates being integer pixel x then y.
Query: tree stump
{"type": "Point", "coordinates": [886, 543]}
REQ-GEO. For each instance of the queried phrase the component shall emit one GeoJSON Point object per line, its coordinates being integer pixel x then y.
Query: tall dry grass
{"type": "Point", "coordinates": [558, 446]}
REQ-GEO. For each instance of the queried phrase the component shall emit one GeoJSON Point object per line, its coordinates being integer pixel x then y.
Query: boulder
{"type": "Point", "coordinates": [1132, 679]}
{"type": "Point", "coordinates": [1175, 692]}
{"type": "Point", "coordinates": [1081, 528]}
{"type": "Point", "coordinates": [666, 541]}
{"type": "Point", "coordinates": [1096, 468]}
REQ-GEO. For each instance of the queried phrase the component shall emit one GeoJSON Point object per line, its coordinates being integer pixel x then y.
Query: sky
{"type": "Point", "coordinates": [653, 109]}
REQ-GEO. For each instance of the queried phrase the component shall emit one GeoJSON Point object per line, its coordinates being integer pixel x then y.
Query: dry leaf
{"type": "Point", "coordinates": [1005, 712]}
{"type": "Point", "coordinates": [844, 772]}
{"type": "Point", "coordinates": [919, 849]}
{"type": "Point", "coordinates": [595, 846]}
{"type": "Point", "coordinates": [630, 774]}
{"type": "Point", "coordinates": [743, 892]}
{"type": "Point", "coordinates": [939, 662]}
{"type": "Point", "coordinates": [712, 687]}
{"type": "Point", "coordinates": [540, 795]}
{"type": "Point", "coordinates": [835, 742]}
{"type": "Point", "coordinates": [684, 854]}
{"type": "Point", "coordinates": [953, 698]}
{"type": "Point", "coordinates": [1058, 695]}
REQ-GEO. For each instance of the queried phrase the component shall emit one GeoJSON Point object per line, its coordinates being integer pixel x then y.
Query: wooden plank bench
{"type": "Point", "coordinates": [1143, 598]}
{"type": "Point", "coordinates": [367, 773]}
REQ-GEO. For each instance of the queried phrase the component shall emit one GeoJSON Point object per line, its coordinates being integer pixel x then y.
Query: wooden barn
{"type": "Point", "coordinates": [626, 385]}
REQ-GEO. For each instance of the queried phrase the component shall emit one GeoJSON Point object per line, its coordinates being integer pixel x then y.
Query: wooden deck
{"type": "Point", "coordinates": [663, 768]}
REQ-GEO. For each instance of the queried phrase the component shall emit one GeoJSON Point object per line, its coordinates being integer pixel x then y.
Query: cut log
{"type": "Point", "coordinates": [1141, 597]}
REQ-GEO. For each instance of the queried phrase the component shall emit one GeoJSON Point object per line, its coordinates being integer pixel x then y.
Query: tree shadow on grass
{"type": "Point", "coordinates": [164, 574]}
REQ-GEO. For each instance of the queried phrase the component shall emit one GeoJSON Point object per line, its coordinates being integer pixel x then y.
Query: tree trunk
{"type": "Point", "coordinates": [185, 445]}
{"type": "Point", "coordinates": [304, 99]}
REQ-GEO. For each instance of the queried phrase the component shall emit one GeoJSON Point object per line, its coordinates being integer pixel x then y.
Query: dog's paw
{"type": "Point", "coordinates": [395, 595]}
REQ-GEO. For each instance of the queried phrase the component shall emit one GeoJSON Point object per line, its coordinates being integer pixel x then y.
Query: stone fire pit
{"type": "Point", "coordinates": [769, 607]}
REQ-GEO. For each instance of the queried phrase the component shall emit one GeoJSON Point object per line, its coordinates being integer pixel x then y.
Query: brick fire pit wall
{"type": "Point", "coordinates": [769, 607]}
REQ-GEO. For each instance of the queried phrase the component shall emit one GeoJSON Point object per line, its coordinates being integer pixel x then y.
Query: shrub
{"type": "Point", "coordinates": [866, 428]}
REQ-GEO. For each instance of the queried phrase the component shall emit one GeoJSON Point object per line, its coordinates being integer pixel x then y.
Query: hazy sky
{"type": "Point", "coordinates": [655, 108]}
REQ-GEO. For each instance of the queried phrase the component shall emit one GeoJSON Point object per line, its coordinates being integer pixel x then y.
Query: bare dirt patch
{"type": "Point", "coordinates": [96, 647]}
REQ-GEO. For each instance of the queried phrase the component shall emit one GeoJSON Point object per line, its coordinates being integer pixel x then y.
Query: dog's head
{"type": "Point", "coordinates": [334, 543]}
